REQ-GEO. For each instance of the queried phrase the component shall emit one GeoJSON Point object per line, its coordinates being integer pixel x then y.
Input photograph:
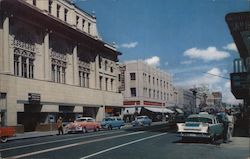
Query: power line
{"type": "Point", "coordinates": [217, 75]}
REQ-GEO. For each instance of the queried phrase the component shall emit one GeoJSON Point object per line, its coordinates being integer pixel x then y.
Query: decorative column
{"type": "Point", "coordinates": [47, 59]}
{"type": "Point", "coordinates": [75, 67]}
{"type": "Point", "coordinates": [6, 55]}
{"type": "Point", "coordinates": [97, 78]}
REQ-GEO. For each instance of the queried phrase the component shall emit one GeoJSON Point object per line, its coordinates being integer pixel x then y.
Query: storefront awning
{"type": "Point", "coordinates": [159, 110]}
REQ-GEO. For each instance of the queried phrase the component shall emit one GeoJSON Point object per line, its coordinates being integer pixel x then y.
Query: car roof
{"type": "Point", "coordinates": [85, 118]}
{"type": "Point", "coordinates": [201, 116]}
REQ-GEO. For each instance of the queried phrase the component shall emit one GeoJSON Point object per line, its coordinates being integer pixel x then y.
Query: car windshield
{"type": "Point", "coordinates": [199, 119]}
{"type": "Point", "coordinates": [139, 117]}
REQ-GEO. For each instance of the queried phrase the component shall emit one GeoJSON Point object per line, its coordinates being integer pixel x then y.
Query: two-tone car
{"type": "Point", "coordinates": [201, 126]}
{"type": "Point", "coordinates": [83, 124]}
{"type": "Point", "coordinates": [112, 122]}
{"type": "Point", "coordinates": [142, 121]}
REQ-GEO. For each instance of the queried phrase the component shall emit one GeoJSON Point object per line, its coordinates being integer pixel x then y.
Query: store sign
{"type": "Point", "coordinates": [34, 98]}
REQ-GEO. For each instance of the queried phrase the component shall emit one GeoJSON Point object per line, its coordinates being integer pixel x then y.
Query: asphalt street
{"type": "Point", "coordinates": [154, 142]}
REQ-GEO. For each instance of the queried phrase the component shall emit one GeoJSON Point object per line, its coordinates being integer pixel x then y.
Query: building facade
{"type": "Point", "coordinates": [186, 100]}
{"type": "Point", "coordinates": [143, 85]}
{"type": "Point", "coordinates": [53, 62]}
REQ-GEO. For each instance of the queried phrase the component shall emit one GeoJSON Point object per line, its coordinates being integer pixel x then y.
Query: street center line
{"type": "Point", "coordinates": [122, 145]}
{"type": "Point", "coordinates": [72, 145]}
{"type": "Point", "coordinates": [49, 142]}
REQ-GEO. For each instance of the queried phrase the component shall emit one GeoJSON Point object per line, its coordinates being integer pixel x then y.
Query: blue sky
{"type": "Point", "coordinates": [187, 38]}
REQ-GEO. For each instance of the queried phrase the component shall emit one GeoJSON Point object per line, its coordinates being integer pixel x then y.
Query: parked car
{"type": "Point", "coordinates": [201, 126]}
{"type": "Point", "coordinates": [83, 124]}
{"type": "Point", "coordinates": [112, 122]}
{"type": "Point", "coordinates": [141, 121]}
{"type": "Point", "coordinates": [6, 132]}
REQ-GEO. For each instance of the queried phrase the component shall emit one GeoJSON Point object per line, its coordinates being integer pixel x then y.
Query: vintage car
{"type": "Point", "coordinates": [201, 126]}
{"type": "Point", "coordinates": [112, 122]}
{"type": "Point", "coordinates": [83, 124]}
{"type": "Point", "coordinates": [141, 121]}
{"type": "Point", "coordinates": [6, 132]}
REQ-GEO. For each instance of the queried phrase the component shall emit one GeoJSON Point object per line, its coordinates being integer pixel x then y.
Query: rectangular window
{"type": "Point", "coordinates": [119, 77]}
{"type": "Point", "coordinates": [153, 80]}
{"type": "Point", "coordinates": [53, 73]}
{"type": "Point", "coordinates": [133, 92]}
{"type": "Point", "coordinates": [149, 78]}
{"type": "Point", "coordinates": [58, 11]}
{"type": "Point", "coordinates": [24, 67]}
{"type": "Point", "coordinates": [106, 65]}
{"type": "Point", "coordinates": [31, 68]}
{"type": "Point", "coordinates": [106, 84]}
{"type": "Point", "coordinates": [132, 76]}
{"type": "Point", "coordinates": [77, 20]}
{"type": "Point", "coordinates": [149, 93]}
{"type": "Point", "coordinates": [50, 6]}
{"type": "Point", "coordinates": [83, 24]}
{"type": "Point", "coordinates": [58, 75]}
{"type": "Point", "coordinates": [34, 2]}
{"type": "Point", "coordinates": [100, 82]}
{"type": "Point", "coordinates": [16, 65]}
{"type": "Point", "coordinates": [63, 75]}
{"type": "Point", "coordinates": [89, 27]}
{"type": "Point", "coordinates": [87, 80]}
{"type": "Point", "coordinates": [65, 14]}
{"type": "Point", "coordinates": [111, 83]}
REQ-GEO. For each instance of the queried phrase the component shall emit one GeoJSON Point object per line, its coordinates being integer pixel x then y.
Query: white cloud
{"type": "Point", "coordinates": [206, 79]}
{"type": "Point", "coordinates": [153, 61]}
{"type": "Point", "coordinates": [187, 62]}
{"type": "Point", "coordinates": [209, 54]}
{"type": "Point", "coordinates": [214, 83]}
{"type": "Point", "coordinates": [231, 47]}
{"type": "Point", "coordinates": [129, 45]}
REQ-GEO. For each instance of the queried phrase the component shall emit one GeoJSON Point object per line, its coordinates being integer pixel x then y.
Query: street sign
{"type": "Point", "coordinates": [34, 98]}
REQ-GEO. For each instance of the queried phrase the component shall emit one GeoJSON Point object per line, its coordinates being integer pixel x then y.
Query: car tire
{"type": "Point", "coordinates": [4, 139]}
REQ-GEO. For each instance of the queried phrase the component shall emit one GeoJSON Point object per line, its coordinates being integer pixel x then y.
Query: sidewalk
{"type": "Point", "coordinates": [33, 134]}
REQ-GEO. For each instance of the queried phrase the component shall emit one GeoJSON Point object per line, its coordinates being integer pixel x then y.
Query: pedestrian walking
{"type": "Point", "coordinates": [59, 126]}
{"type": "Point", "coordinates": [225, 127]}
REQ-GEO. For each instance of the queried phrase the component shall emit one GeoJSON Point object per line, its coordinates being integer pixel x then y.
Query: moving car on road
{"type": "Point", "coordinates": [83, 124]}
{"type": "Point", "coordinates": [6, 132]}
{"type": "Point", "coordinates": [201, 126]}
{"type": "Point", "coordinates": [141, 121]}
{"type": "Point", "coordinates": [112, 122]}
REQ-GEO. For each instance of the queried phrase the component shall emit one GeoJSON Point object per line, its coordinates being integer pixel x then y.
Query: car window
{"type": "Point", "coordinates": [119, 119]}
{"type": "Point", "coordinates": [90, 120]}
{"type": "Point", "coordinates": [81, 119]}
{"type": "Point", "coordinates": [199, 119]}
{"type": "Point", "coordinates": [139, 117]}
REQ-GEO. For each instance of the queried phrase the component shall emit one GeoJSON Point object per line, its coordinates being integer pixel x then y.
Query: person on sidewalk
{"type": "Point", "coordinates": [59, 125]}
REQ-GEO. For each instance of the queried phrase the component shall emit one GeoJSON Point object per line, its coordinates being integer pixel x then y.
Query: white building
{"type": "Point", "coordinates": [53, 62]}
{"type": "Point", "coordinates": [186, 100]}
{"type": "Point", "coordinates": [145, 86]}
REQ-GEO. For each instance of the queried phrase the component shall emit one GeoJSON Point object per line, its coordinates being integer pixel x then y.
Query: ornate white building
{"type": "Point", "coordinates": [53, 62]}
